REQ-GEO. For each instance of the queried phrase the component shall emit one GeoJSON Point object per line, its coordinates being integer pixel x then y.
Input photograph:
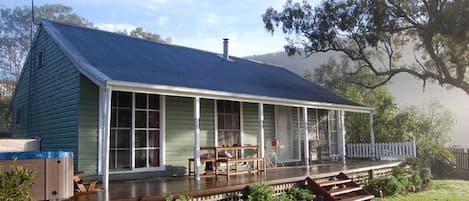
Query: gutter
{"type": "Point", "coordinates": [221, 95]}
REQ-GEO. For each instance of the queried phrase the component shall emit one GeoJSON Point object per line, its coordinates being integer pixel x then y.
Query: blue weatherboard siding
{"type": "Point", "coordinates": [51, 104]}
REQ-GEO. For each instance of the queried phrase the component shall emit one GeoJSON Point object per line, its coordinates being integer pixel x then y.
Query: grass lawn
{"type": "Point", "coordinates": [440, 190]}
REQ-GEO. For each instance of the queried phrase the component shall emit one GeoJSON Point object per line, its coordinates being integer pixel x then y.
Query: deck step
{"type": "Point", "coordinates": [340, 191]}
{"type": "Point", "coordinates": [359, 198]}
{"type": "Point", "coordinates": [334, 182]}
{"type": "Point", "coordinates": [342, 188]}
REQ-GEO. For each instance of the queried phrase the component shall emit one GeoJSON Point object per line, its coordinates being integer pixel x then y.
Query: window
{"type": "Point", "coordinates": [228, 122]}
{"type": "Point", "coordinates": [147, 130]}
{"type": "Point", "coordinates": [40, 59]}
{"type": "Point", "coordinates": [135, 131]}
{"type": "Point", "coordinates": [121, 127]}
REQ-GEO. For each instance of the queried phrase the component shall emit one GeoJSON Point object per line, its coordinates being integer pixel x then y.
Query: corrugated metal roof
{"type": "Point", "coordinates": [121, 58]}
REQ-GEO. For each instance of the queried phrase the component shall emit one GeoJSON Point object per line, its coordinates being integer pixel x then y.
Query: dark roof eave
{"type": "Point", "coordinates": [212, 94]}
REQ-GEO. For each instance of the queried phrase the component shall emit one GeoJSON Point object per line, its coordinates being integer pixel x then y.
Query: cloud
{"type": "Point", "coordinates": [163, 20]}
{"type": "Point", "coordinates": [158, 1]}
{"type": "Point", "coordinates": [115, 27]}
{"type": "Point", "coordinates": [212, 18]}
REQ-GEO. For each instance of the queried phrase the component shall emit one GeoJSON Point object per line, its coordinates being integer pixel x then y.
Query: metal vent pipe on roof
{"type": "Point", "coordinates": [225, 49]}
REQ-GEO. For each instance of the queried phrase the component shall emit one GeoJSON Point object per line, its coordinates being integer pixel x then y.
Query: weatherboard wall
{"type": "Point", "coordinates": [88, 127]}
{"type": "Point", "coordinates": [49, 95]}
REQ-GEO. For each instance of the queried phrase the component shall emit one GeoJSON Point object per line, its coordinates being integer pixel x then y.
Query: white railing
{"type": "Point", "coordinates": [383, 151]}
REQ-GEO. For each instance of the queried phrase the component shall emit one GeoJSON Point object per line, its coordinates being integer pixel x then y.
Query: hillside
{"type": "Point", "coordinates": [407, 90]}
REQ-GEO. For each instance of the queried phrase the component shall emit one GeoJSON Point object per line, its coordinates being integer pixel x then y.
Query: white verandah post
{"type": "Point", "coordinates": [196, 138]}
{"type": "Point", "coordinates": [106, 102]}
{"type": "Point", "coordinates": [261, 129]}
{"type": "Point", "coordinates": [306, 144]}
{"type": "Point", "coordinates": [372, 137]}
{"type": "Point", "coordinates": [342, 151]}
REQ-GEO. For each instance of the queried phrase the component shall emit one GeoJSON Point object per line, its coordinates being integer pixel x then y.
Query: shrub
{"type": "Point", "coordinates": [302, 194]}
{"type": "Point", "coordinates": [261, 192]}
{"type": "Point", "coordinates": [376, 186]}
{"type": "Point", "coordinates": [392, 186]}
{"type": "Point", "coordinates": [398, 171]}
{"type": "Point", "coordinates": [16, 183]}
{"type": "Point", "coordinates": [415, 180]}
{"type": "Point", "coordinates": [426, 175]}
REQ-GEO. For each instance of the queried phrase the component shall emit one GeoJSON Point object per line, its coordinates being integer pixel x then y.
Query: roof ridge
{"type": "Point", "coordinates": [135, 38]}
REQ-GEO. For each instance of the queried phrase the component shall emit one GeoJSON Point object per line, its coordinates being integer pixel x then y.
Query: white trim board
{"type": "Point", "coordinates": [211, 94]}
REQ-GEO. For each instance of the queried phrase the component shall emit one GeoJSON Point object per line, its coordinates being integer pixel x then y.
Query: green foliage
{"type": "Point", "coordinates": [261, 192]}
{"type": "Point", "coordinates": [183, 198]}
{"type": "Point", "coordinates": [451, 190]}
{"type": "Point", "coordinates": [15, 24]}
{"type": "Point", "coordinates": [398, 183]}
{"type": "Point", "coordinates": [168, 197]}
{"type": "Point", "coordinates": [414, 179]}
{"type": "Point", "coordinates": [430, 125]}
{"type": "Point", "coordinates": [393, 186]}
{"type": "Point", "coordinates": [299, 194]}
{"type": "Point", "coordinates": [376, 34]}
{"type": "Point", "coordinates": [140, 33]}
{"type": "Point", "coordinates": [16, 183]}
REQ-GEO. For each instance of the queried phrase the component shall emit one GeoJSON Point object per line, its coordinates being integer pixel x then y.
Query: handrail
{"type": "Point", "coordinates": [398, 151]}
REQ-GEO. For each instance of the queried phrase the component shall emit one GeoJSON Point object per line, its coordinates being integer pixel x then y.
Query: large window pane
{"type": "Point", "coordinates": [123, 139]}
{"type": "Point", "coordinates": [221, 121]}
{"type": "Point", "coordinates": [125, 118]}
{"type": "Point", "coordinates": [124, 99]}
{"type": "Point", "coordinates": [141, 101]}
{"type": "Point", "coordinates": [228, 122]}
{"type": "Point", "coordinates": [140, 158]}
{"type": "Point", "coordinates": [154, 118]}
{"type": "Point", "coordinates": [140, 119]}
{"type": "Point", "coordinates": [112, 159]}
{"type": "Point", "coordinates": [113, 118]}
{"type": "Point", "coordinates": [154, 139]}
{"type": "Point", "coordinates": [123, 159]}
{"type": "Point", "coordinates": [140, 139]}
{"type": "Point", "coordinates": [154, 157]}
{"type": "Point", "coordinates": [154, 101]}
{"type": "Point", "coordinates": [112, 141]}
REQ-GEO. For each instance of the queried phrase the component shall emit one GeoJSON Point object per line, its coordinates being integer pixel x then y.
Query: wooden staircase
{"type": "Point", "coordinates": [339, 188]}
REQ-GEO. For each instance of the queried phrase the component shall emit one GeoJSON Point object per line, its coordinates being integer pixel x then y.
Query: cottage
{"type": "Point", "coordinates": [132, 108]}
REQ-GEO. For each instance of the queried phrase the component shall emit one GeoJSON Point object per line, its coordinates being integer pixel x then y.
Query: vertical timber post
{"type": "Point", "coordinates": [196, 138]}
{"type": "Point", "coordinates": [261, 129]}
{"type": "Point", "coordinates": [106, 101]}
{"type": "Point", "coordinates": [372, 137]}
{"type": "Point", "coordinates": [305, 119]}
{"type": "Point", "coordinates": [342, 151]}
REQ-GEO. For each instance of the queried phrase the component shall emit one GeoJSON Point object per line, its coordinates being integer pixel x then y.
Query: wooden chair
{"type": "Point", "coordinates": [84, 186]}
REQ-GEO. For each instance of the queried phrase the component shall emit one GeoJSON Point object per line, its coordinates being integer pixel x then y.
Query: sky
{"type": "Point", "coordinates": [200, 24]}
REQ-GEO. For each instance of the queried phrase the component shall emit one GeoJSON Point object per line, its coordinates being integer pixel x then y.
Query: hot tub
{"type": "Point", "coordinates": [53, 172]}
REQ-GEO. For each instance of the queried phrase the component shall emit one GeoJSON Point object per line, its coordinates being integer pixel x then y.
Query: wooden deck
{"type": "Point", "coordinates": [155, 188]}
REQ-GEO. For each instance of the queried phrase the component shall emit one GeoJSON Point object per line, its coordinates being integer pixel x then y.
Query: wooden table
{"type": "Point", "coordinates": [237, 158]}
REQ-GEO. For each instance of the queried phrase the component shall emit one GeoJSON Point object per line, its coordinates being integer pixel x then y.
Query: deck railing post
{"type": "Point", "coordinates": [196, 138]}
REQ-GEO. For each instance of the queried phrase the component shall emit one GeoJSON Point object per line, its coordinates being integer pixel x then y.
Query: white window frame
{"type": "Point", "coordinates": [276, 113]}
{"type": "Point", "coordinates": [162, 148]}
